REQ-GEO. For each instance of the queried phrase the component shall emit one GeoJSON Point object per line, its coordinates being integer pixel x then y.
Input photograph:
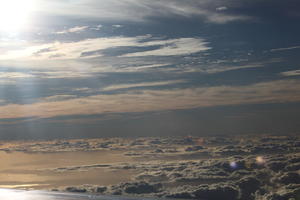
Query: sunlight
{"type": "Point", "coordinates": [14, 15]}
{"type": "Point", "coordinates": [11, 195]}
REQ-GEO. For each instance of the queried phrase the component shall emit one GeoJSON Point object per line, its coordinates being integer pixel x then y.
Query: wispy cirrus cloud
{"type": "Point", "coordinates": [181, 46]}
{"type": "Point", "coordinates": [58, 98]}
{"type": "Point", "coordinates": [158, 100]}
{"type": "Point", "coordinates": [141, 84]}
{"type": "Point", "coordinates": [14, 75]}
{"type": "Point", "coordinates": [291, 73]}
{"type": "Point", "coordinates": [90, 48]}
{"type": "Point", "coordinates": [76, 29]}
{"type": "Point", "coordinates": [142, 10]}
{"type": "Point", "coordinates": [285, 48]}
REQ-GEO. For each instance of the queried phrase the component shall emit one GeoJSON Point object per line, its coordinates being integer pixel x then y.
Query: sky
{"type": "Point", "coordinates": [90, 68]}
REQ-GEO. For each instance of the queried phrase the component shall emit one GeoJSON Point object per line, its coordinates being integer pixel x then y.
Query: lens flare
{"type": "Point", "coordinates": [233, 165]}
{"type": "Point", "coordinates": [260, 160]}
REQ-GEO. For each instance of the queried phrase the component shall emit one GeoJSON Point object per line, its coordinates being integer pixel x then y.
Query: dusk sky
{"type": "Point", "coordinates": [99, 68]}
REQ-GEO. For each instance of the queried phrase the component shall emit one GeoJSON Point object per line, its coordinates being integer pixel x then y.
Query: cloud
{"type": "Point", "coordinates": [7, 82]}
{"type": "Point", "coordinates": [80, 168]}
{"type": "Point", "coordinates": [137, 188]}
{"type": "Point", "coordinates": [175, 47]}
{"type": "Point", "coordinates": [76, 189]}
{"type": "Point", "coordinates": [211, 69]}
{"type": "Point", "coordinates": [11, 78]}
{"type": "Point", "coordinates": [58, 98]}
{"type": "Point", "coordinates": [215, 192]}
{"type": "Point", "coordinates": [117, 26]}
{"type": "Point", "coordinates": [289, 178]}
{"type": "Point", "coordinates": [90, 48]}
{"type": "Point", "coordinates": [285, 49]}
{"type": "Point", "coordinates": [132, 188]}
{"type": "Point", "coordinates": [89, 57]}
{"type": "Point", "coordinates": [15, 75]}
{"type": "Point", "coordinates": [180, 175]}
{"type": "Point", "coordinates": [159, 100]}
{"type": "Point", "coordinates": [145, 67]}
{"type": "Point", "coordinates": [291, 73]}
{"type": "Point", "coordinates": [141, 10]}
{"type": "Point", "coordinates": [222, 8]}
{"type": "Point", "coordinates": [142, 84]}
{"type": "Point", "coordinates": [76, 29]}
{"type": "Point", "coordinates": [96, 28]}
{"type": "Point", "coordinates": [2, 101]}
{"type": "Point", "coordinates": [290, 191]}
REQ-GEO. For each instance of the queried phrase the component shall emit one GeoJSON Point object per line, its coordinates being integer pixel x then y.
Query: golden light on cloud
{"type": "Point", "coordinates": [14, 15]}
{"type": "Point", "coordinates": [152, 100]}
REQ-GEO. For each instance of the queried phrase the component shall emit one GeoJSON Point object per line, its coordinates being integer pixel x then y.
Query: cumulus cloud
{"type": "Point", "coordinates": [238, 177]}
{"type": "Point", "coordinates": [80, 168]}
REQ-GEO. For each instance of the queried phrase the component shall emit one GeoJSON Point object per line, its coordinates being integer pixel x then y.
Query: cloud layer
{"type": "Point", "coordinates": [233, 168]}
{"type": "Point", "coordinates": [145, 9]}
{"type": "Point", "coordinates": [154, 100]}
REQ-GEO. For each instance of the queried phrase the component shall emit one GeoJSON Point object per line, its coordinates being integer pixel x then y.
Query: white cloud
{"type": "Point", "coordinates": [285, 49]}
{"type": "Point", "coordinates": [117, 26]}
{"type": "Point", "coordinates": [222, 8]}
{"type": "Point", "coordinates": [222, 18]}
{"type": "Point", "coordinates": [90, 48]}
{"type": "Point", "coordinates": [76, 29]}
{"type": "Point", "coordinates": [291, 73]}
{"type": "Point", "coordinates": [181, 46]}
{"type": "Point", "coordinates": [96, 28]}
{"type": "Point", "coordinates": [14, 75]}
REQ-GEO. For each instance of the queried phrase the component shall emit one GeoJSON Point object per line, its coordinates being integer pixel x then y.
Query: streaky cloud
{"type": "Point", "coordinates": [158, 100]}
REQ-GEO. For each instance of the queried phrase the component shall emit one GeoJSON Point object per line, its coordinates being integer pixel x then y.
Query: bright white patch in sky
{"type": "Point", "coordinates": [117, 26]}
{"type": "Point", "coordinates": [291, 73]}
{"type": "Point", "coordinates": [76, 29]}
{"type": "Point", "coordinates": [14, 15]}
{"type": "Point", "coordinates": [221, 8]}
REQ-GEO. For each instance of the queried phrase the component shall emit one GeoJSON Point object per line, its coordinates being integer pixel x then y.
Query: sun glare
{"type": "Point", "coordinates": [14, 14]}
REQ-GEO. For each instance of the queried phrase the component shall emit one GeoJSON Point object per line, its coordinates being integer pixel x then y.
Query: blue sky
{"type": "Point", "coordinates": [90, 68]}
